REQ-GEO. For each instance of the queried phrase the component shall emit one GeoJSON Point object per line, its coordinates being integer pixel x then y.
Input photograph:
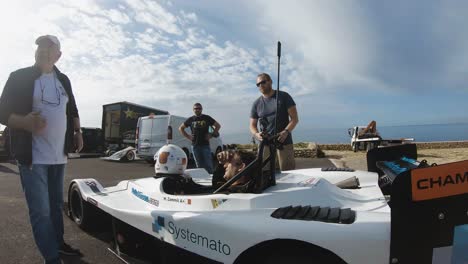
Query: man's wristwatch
{"type": "Point", "coordinates": [78, 130]}
{"type": "Point", "coordinates": [287, 131]}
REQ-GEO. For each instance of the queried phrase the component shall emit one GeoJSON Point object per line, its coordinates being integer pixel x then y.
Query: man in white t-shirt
{"type": "Point", "coordinates": [38, 106]}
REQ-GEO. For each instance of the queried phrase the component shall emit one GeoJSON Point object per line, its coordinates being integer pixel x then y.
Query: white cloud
{"type": "Point", "coordinates": [157, 54]}
{"type": "Point", "coordinates": [153, 14]}
{"type": "Point", "coordinates": [117, 16]}
{"type": "Point", "coordinates": [330, 42]}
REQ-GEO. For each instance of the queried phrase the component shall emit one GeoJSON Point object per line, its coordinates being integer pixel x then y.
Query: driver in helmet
{"type": "Point", "coordinates": [230, 163]}
{"type": "Point", "coordinates": [171, 162]}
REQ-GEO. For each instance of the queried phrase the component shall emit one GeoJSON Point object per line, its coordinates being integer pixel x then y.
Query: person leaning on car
{"type": "Point", "coordinates": [265, 108]}
{"type": "Point", "coordinates": [38, 106]}
{"type": "Point", "coordinates": [199, 125]}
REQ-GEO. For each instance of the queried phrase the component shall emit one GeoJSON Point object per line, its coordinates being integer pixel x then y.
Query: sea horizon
{"type": "Point", "coordinates": [420, 133]}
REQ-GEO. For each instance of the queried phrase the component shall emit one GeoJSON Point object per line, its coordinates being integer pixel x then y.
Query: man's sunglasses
{"type": "Point", "coordinates": [197, 108]}
{"type": "Point", "coordinates": [261, 83]}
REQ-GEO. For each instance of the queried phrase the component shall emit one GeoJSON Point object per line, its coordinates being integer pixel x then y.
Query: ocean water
{"type": "Point", "coordinates": [420, 133]}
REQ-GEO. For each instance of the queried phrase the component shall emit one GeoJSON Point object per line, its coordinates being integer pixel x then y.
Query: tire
{"type": "Point", "coordinates": [130, 156]}
{"type": "Point", "coordinates": [299, 258]}
{"type": "Point", "coordinates": [80, 210]}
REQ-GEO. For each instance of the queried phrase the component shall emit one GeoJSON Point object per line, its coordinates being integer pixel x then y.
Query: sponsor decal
{"type": "Point", "coordinates": [178, 200]}
{"type": "Point", "coordinates": [145, 197]}
{"type": "Point", "coordinates": [217, 202]}
{"type": "Point", "coordinates": [310, 181]}
{"type": "Point", "coordinates": [185, 234]}
{"type": "Point", "coordinates": [93, 186]}
{"type": "Point", "coordinates": [130, 114]}
{"type": "Point", "coordinates": [158, 224]}
{"type": "Point", "coordinates": [439, 181]}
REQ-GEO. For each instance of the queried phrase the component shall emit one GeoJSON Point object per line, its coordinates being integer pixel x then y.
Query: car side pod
{"type": "Point", "coordinates": [430, 210]}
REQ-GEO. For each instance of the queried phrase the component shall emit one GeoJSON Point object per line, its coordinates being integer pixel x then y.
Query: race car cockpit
{"type": "Point", "coordinates": [259, 176]}
{"type": "Point", "coordinates": [259, 173]}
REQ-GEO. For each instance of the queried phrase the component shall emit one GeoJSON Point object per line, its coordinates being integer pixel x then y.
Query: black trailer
{"type": "Point", "coordinates": [93, 140]}
{"type": "Point", "coordinates": [119, 122]}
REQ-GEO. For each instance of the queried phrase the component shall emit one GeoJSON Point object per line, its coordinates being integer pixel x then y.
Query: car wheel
{"type": "Point", "coordinates": [80, 210]}
{"type": "Point", "coordinates": [355, 146]}
{"type": "Point", "coordinates": [130, 155]}
{"type": "Point", "coordinates": [296, 259]}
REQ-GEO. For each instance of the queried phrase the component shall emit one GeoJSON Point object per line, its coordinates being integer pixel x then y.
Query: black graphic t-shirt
{"type": "Point", "coordinates": [199, 125]}
{"type": "Point", "coordinates": [264, 109]}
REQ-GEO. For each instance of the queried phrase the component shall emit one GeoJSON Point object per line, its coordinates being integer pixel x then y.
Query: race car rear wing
{"type": "Point", "coordinates": [429, 206]}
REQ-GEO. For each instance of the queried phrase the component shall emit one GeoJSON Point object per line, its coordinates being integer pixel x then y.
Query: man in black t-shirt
{"type": "Point", "coordinates": [265, 108]}
{"type": "Point", "coordinates": [199, 125]}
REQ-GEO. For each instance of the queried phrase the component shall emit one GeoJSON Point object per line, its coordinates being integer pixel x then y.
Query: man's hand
{"type": "Point", "coordinates": [224, 156]}
{"type": "Point", "coordinates": [282, 136]}
{"type": "Point", "coordinates": [34, 123]}
{"type": "Point", "coordinates": [259, 136]}
{"type": "Point", "coordinates": [78, 141]}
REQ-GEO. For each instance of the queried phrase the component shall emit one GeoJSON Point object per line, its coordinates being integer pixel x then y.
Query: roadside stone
{"type": "Point", "coordinates": [311, 151]}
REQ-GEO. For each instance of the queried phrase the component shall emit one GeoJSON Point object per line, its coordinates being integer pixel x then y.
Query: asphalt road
{"type": "Point", "coordinates": [16, 241]}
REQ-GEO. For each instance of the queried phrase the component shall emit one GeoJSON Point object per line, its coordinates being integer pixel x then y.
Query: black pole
{"type": "Point", "coordinates": [277, 88]}
{"type": "Point", "coordinates": [273, 146]}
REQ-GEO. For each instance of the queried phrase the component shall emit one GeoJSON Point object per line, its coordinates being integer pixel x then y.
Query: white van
{"type": "Point", "coordinates": [151, 134]}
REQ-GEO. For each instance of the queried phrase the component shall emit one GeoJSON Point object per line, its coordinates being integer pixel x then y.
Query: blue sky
{"type": "Point", "coordinates": [344, 62]}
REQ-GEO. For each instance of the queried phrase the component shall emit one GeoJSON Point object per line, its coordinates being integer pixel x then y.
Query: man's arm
{"type": "Point", "coordinates": [217, 127]}
{"type": "Point", "coordinates": [78, 137]}
{"type": "Point", "coordinates": [32, 122]}
{"type": "Point", "coordinates": [293, 120]}
{"type": "Point", "coordinates": [183, 132]}
{"type": "Point", "coordinates": [254, 129]}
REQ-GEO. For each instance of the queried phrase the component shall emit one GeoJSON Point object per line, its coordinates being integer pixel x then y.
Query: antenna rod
{"type": "Point", "coordinates": [277, 88]}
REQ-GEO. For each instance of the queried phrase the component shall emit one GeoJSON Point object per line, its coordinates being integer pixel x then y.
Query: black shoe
{"type": "Point", "coordinates": [67, 250]}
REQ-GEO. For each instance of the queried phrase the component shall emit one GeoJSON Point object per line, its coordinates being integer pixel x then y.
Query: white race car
{"type": "Point", "coordinates": [301, 216]}
{"type": "Point", "coordinates": [126, 154]}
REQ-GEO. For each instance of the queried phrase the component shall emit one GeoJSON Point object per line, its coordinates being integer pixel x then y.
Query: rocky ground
{"type": "Point", "coordinates": [357, 160]}
{"type": "Point", "coordinates": [342, 155]}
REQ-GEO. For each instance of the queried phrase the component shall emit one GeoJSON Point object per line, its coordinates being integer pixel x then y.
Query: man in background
{"type": "Point", "coordinates": [199, 125]}
{"type": "Point", "coordinates": [265, 108]}
{"type": "Point", "coordinates": [38, 106]}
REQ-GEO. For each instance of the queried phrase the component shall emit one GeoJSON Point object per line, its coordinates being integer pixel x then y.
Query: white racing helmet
{"type": "Point", "coordinates": [170, 159]}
